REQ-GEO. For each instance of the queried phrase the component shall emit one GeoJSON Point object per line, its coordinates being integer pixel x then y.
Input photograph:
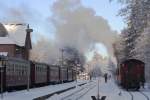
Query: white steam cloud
{"type": "Point", "coordinates": [75, 26]}
{"type": "Point", "coordinates": [79, 26]}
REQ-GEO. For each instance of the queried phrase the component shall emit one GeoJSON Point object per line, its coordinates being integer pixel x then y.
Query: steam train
{"type": "Point", "coordinates": [19, 74]}
{"type": "Point", "coordinates": [130, 74]}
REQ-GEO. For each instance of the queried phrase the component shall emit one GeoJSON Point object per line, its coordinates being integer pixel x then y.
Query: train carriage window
{"type": "Point", "coordinates": [13, 67]}
{"type": "Point", "coordinates": [43, 69]}
{"type": "Point", "coordinates": [36, 68]}
{"type": "Point", "coordinates": [19, 72]}
{"type": "Point", "coordinates": [16, 69]}
{"type": "Point", "coordinates": [39, 69]}
{"type": "Point", "coordinates": [22, 72]}
{"type": "Point", "coordinates": [21, 69]}
{"type": "Point", "coordinates": [25, 70]}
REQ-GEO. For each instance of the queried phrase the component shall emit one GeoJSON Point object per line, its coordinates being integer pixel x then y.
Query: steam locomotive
{"type": "Point", "coordinates": [20, 74]}
{"type": "Point", "coordinates": [130, 74]}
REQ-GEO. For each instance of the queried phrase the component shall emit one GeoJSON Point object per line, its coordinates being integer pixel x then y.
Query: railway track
{"type": "Point", "coordinates": [131, 95]}
{"type": "Point", "coordinates": [145, 95]}
{"type": "Point", "coordinates": [76, 95]}
{"type": "Point", "coordinates": [134, 96]}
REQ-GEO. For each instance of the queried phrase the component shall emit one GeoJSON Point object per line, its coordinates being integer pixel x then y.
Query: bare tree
{"type": "Point", "coordinates": [72, 56]}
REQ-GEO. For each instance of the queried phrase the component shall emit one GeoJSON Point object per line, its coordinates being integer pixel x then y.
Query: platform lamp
{"type": "Point", "coordinates": [62, 62]}
{"type": "Point", "coordinates": [2, 65]}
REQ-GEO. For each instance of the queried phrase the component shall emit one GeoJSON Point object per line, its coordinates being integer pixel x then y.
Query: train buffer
{"type": "Point", "coordinates": [102, 98]}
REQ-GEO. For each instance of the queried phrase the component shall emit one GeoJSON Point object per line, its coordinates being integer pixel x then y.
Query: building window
{"type": "Point", "coordinates": [19, 52]}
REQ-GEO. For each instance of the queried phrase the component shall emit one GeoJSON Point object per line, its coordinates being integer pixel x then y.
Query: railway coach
{"type": "Point", "coordinates": [17, 74]}
{"type": "Point", "coordinates": [70, 75]}
{"type": "Point", "coordinates": [131, 74]}
{"type": "Point", "coordinates": [39, 73]}
{"type": "Point", "coordinates": [54, 74]}
{"type": "Point", "coordinates": [14, 73]}
{"type": "Point", "coordinates": [63, 74]}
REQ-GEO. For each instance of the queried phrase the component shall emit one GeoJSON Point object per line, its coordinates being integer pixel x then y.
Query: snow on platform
{"type": "Point", "coordinates": [37, 92]}
{"type": "Point", "coordinates": [110, 90]}
{"type": "Point", "coordinates": [75, 93]}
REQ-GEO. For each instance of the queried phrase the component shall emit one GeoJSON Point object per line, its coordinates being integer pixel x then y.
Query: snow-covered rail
{"type": "Point", "coordinates": [138, 96]}
{"type": "Point", "coordinates": [145, 95]}
{"type": "Point", "coordinates": [131, 95]}
{"type": "Point", "coordinates": [58, 92]}
{"type": "Point", "coordinates": [85, 93]}
{"type": "Point", "coordinates": [76, 95]}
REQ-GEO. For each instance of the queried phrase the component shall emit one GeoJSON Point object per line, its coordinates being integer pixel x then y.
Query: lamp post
{"type": "Point", "coordinates": [62, 58]}
{"type": "Point", "coordinates": [1, 71]}
{"type": "Point", "coordinates": [1, 82]}
{"type": "Point", "coordinates": [98, 96]}
{"type": "Point", "coordinates": [76, 70]}
{"type": "Point", "coordinates": [28, 81]}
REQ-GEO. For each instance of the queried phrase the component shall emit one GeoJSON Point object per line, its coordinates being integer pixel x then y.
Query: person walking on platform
{"type": "Point", "coordinates": [105, 76]}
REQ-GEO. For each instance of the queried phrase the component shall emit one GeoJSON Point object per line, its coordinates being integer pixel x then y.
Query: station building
{"type": "Point", "coordinates": [15, 40]}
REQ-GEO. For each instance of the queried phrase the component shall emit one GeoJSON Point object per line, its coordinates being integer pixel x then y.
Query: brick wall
{"type": "Point", "coordinates": [10, 48]}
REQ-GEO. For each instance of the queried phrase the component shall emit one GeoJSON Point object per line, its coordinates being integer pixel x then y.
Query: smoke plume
{"type": "Point", "coordinates": [74, 25]}
{"type": "Point", "coordinates": [79, 27]}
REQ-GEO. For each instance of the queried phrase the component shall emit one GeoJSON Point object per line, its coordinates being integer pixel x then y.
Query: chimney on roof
{"type": "Point", "coordinates": [28, 44]}
{"type": "Point", "coordinates": [28, 30]}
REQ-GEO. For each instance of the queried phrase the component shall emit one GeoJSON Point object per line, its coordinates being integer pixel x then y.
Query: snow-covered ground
{"type": "Point", "coordinates": [110, 90]}
{"type": "Point", "coordinates": [37, 92]}
{"type": "Point", "coordinates": [76, 93]}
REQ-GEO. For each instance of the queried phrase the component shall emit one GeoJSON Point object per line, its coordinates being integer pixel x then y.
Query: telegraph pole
{"type": "Point", "coordinates": [62, 58]}
{"type": "Point", "coordinates": [98, 96]}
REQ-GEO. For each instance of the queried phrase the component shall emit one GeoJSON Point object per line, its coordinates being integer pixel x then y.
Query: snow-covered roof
{"type": "Point", "coordinates": [16, 35]}
{"type": "Point", "coordinates": [6, 40]}
{"type": "Point", "coordinates": [3, 31]}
